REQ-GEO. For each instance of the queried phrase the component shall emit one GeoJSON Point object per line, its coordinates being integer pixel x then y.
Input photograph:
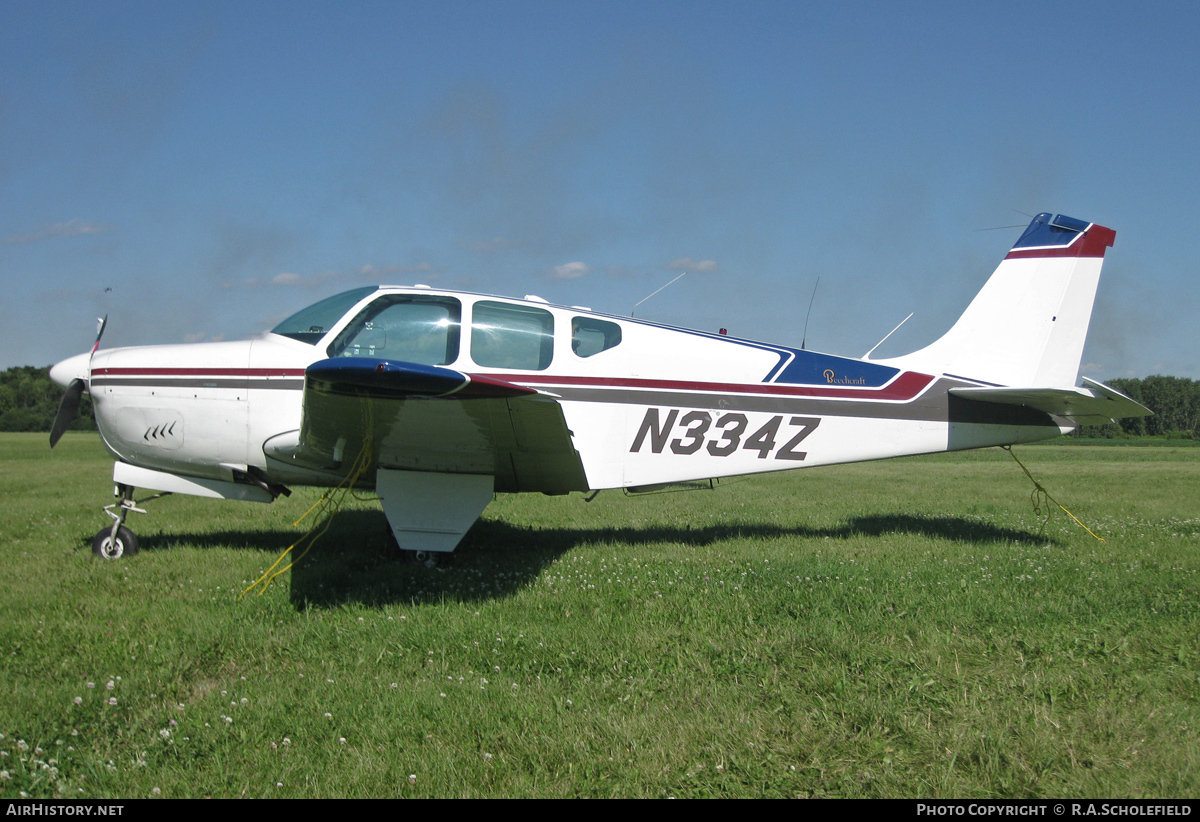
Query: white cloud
{"type": "Point", "coordinates": [364, 273]}
{"type": "Point", "coordinates": [72, 228]}
{"type": "Point", "coordinates": [200, 336]}
{"type": "Point", "coordinates": [694, 266]}
{"type": "Point", "coordinates": [570, 271]}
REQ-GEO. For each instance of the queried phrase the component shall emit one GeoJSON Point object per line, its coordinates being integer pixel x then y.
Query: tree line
{"type": "Point", "coordinates": [1175, 402]}
{"type": "Point", "coordinates": [29, 400]}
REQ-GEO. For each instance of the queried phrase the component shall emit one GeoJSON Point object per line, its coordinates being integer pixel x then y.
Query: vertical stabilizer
{"type": "Point", "coordinates": [1028, 324]}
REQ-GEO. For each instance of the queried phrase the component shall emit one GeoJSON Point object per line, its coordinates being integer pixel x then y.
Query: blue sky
{"type": "Point", "coordinates": [198, 171]}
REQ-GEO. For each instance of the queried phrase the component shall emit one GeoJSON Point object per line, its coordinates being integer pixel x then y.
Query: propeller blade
{"type": "Point", "coordinates": [101, 322]}
{"type": "Point", "coordinates": [67, 409]}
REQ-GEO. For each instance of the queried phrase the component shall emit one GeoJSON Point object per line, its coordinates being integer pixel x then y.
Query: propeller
{"type": "Point", "coordinates": [68, 407]}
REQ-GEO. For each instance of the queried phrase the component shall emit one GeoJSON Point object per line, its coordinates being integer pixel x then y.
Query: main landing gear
{"type": "Point", "coordinates": [429, 559]}
{"type": "Point", "coordinates": [116, 541]}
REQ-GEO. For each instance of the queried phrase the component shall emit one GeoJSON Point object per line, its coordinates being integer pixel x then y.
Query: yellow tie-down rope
{"type": "Point", "coordinates": [1039, 493]}
{"type": "Point", "coordinates": [330, 504]}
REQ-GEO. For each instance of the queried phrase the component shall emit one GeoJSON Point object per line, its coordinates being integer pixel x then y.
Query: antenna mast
{"type": "Point", "coordinates": [639, 302]}
{"type": "Point", "coordinates": [804, 338]}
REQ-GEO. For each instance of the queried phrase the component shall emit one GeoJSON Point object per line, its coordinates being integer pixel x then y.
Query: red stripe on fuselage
{"type": "Point", "coordinates": [904, 387]}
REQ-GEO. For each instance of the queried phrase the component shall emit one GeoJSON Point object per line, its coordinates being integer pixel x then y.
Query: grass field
{"type": "Point", "coordinates": [899, 629]}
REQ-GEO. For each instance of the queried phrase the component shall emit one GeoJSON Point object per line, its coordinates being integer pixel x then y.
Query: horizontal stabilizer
{"type": "Point", "coordinates": [1093, 404]}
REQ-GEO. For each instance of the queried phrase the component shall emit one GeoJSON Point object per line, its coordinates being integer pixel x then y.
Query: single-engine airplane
{"type": "Point", "coordinates": [453, 396]}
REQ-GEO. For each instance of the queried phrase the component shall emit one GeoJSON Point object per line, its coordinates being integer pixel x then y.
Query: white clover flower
{"type": "Point", "coordinates": [91, 684]}
{"type": "Point", "coordinates": [111, 685]}
{"type": "Point", "coordinates": [78, 700]}
{"type": "Point", "coordinates": [156, 791]}
{"type": "Point", "coordinates": [164, 733]}
{"type": "Point", "coordinates": [112, 700]}
{"type": "Point", "coordinates": [412, 779]}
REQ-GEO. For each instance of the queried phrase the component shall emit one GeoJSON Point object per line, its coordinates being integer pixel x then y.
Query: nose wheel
{"type": "Point", "coordinates": [107, 545]}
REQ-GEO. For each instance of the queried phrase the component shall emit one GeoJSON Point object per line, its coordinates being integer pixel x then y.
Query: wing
{"type": "Point", "coordinates": [1093, 404]}
{"type": "Point", "coordinates": [434, 419]}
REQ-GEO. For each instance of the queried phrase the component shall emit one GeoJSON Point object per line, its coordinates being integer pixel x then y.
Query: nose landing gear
{"type": "Point", "coordinates": [116, 540]}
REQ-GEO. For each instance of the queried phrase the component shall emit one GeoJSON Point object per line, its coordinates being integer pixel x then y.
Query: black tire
{"type": "Point", "coordinates": [126, 544]}
{"type": "Point", "coordinates": [429, 559]}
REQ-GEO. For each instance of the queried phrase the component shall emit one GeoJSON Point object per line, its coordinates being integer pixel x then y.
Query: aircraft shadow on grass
{"type": "Point", "coordinates": [351, 563]}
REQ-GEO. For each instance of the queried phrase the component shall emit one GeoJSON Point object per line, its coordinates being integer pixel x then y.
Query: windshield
{"type": "Point", "coordinates": [310, 324]}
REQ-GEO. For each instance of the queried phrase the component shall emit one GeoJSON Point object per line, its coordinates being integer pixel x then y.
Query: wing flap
{"type": "Point", "coordinates": [1092, 404]}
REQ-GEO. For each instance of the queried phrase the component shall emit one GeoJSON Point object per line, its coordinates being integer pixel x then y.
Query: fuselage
{"type": "Point", "coordinates": [645, 404]}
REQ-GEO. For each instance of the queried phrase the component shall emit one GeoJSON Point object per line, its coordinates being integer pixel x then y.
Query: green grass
{"type": "Point", "coordinates": [904, 628]}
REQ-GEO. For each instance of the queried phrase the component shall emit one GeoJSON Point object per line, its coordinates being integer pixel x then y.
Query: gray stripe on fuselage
{"type": "Point", "coordinates": [935, 404]}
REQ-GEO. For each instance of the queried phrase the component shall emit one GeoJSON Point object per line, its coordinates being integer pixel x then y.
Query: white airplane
{"type": "Point", "coordinates": [453, 396]}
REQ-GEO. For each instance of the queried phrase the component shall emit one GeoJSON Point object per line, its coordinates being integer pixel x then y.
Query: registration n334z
{"type": "Point", "coordinates": [722, 434]}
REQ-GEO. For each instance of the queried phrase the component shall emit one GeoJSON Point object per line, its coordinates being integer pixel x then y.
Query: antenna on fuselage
{"type": "Point", "coordinates": [639, 302]}
{"type": "Point", "coordinates": [804, 338]}
{"type": "Point", "coordinates": [885, 336]}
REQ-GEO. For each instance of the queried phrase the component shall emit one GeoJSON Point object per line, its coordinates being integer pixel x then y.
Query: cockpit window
{"type": "Point", "coordinates": [589, 336]}
{"type": "Point", "coordinates": [308, 325]}
{"type": "Point", "coordinates": [504, 335]}
{"type": "Point", "coordinates": [408, 327]}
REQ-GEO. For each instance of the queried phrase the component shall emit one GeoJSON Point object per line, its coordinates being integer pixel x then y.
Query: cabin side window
{"type": "Point", "coordinates": [406, 327]}
{"type": "Point", "coordinates": [590, 336]}
{"type": "Point", "coordinates": [504, 335]}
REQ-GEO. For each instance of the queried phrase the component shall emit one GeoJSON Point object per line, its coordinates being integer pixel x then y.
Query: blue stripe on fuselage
{"type": "Point", "coordinates": [811, 368]}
